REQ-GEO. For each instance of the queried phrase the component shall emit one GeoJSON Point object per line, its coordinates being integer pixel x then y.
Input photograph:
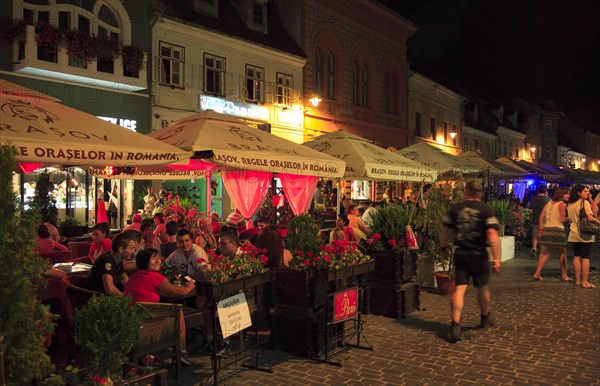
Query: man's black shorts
{"type": "Point", "coordinates": [472, 265]}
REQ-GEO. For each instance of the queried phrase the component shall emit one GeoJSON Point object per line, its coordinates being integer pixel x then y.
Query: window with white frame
{"type": "Point", "coordinates": [255, 83]}
{"type": "Point", "coordinates": [214, 75]}
{"type": "Point", "coordinates": [172, 61]}
{"type": "Point", "coordinates": [284, 89]}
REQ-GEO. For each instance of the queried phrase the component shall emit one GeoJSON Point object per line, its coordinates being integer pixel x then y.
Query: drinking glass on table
{"type": "Point", "coordinates": [178, 274]}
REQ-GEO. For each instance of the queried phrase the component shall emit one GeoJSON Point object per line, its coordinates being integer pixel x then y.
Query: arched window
{"type": "Point", "coordinates": [330, 76]}
{"type": "Point", "coordinates": [318, 71]}
{"type": "Point", "coordinates": [365, 86]}
{"type": "Point", "coordinates": [390, 92]}
{"type": "Point", "coordinates": [355, 84]}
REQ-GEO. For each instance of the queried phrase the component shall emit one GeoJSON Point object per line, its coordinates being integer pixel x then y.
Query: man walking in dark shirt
{"type": "Point", "coordinates": [475, 228]}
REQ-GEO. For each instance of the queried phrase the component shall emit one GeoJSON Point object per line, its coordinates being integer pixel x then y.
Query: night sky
{"type": "Point", "coordinates": [534, 48]}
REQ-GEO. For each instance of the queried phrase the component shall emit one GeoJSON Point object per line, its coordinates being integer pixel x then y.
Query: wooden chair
{"type": "Point", "coordinates": [79, 248]}
{"type": "Point", "coordinates": [79, 296]}
{"type": "Point", "coordinates": [57, 256]}
{"type": "Point", "coordinates": [159, 330]}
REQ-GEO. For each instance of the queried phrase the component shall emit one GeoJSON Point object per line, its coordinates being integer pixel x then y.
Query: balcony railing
{"type": "Point", "coordinates": [56, 64]}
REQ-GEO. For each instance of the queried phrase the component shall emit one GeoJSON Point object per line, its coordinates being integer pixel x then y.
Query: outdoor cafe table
{"type": "Point", "coordinates": [74, 268]}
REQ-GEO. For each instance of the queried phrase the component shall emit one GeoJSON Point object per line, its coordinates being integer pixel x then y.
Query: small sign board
{"type": "Point", "coordinates": [234, 315]}
{"type": "Point", "coordinates": [345, 305]}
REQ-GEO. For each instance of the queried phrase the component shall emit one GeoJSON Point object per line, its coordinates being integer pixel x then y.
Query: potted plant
{"type": "Point", "coordinates": [24, 320]}
{"type": "Point", "coordinates": [79, 48]}
{"type": "Point", "coordinates": [106, 329]}
{"type": "Point", "coordinates": [428, 222]}
{"type": "Point", "coordinates": [444, 278]}
{"type": "Point", "coordinates": [518, 224]}
{"type": "Point", "coordinates": [303, 235]}
{"type": "Point", "coordinates": [71, 227]}
{"type": "Point", "coordinates": [391, 292]}
{"type": "Point", "coordinates": [501, 208]}
{"type": "Point", "coordinates": [43, 200]}
{"type": "Point", "coordinates": [133, 60]}
{"type": "Point", "coordinates": [16, 31]}
{"type": "Point", "coordinates": [48, 39]}
{"type": "Point", "coordinates": [316, 271]}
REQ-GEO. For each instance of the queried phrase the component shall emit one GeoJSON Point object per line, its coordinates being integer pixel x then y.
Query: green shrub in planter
{"type": "Point", "coordinates": [390, 223]}
{"type": "Point", "coordinates": [106, 329]}
{"type": "Point", "coordinates": [303, 235]}
{"type": "Point", "coordinates": [23, 320]}
{"type": "Point", "coordinates": [69, 222]}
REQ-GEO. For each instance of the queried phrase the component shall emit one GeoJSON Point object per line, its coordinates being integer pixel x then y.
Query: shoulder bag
{"type": "Point", "coordinates": [587, 227]}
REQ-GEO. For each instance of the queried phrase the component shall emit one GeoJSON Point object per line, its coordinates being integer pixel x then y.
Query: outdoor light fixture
{"type": "Point", "coordinates": [452, 135]}
{"type": "Point", "coordinates": [532, 149]}
{"type": "Point", "coordinates": [583, 160]}
{"type": "Point", "coordinates": [315, 100]}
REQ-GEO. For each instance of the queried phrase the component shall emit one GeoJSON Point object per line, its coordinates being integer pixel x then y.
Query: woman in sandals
{"type": "Point", "coordinates": [551, 235]}
{"type": "Point", "coordinates": [581, 243]}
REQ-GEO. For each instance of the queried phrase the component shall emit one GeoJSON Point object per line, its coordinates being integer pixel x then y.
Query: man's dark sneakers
{"type": "Point", "coordinates": [487, 320]}
{"type": "Point", "coordinates": [455, 334]}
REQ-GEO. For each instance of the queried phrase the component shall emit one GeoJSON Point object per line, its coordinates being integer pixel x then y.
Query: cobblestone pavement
{"type": "Point", "coordinates": [547, 333]}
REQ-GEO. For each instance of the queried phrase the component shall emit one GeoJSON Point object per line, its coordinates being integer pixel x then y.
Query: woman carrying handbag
{"type": "Point", "coordinates": [581, 243]}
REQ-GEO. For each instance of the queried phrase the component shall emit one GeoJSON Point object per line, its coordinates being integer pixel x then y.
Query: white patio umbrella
{"type": "Point", "coordinates": [229, 142]}
{"type": "Point", "coordinates": [438, 160]}
{"type": "Point", "coordinates": [496, 169]}
{"type": "Point", "coordinates": [45, 131]}
{"type": "Point", "coordinates": [366, 161]}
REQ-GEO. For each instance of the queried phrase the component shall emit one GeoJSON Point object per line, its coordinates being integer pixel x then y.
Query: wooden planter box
{"type": "Point", "coordinates": [76, 231]}
{"type": "Point", "coordinates": [232, 287]}
{"type": "Point", "coordinates": [394, 301]}
{"type": "Point", "coordinates": [302, 310]}
{"type": "Point", "coordinates": [144, 377]}
{"type": "Point", "coordinates": [393, 266]}
{"type": "Point", "coordinates": [392, 291]}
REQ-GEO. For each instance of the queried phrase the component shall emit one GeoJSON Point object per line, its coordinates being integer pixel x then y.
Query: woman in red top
{"type": "Point", "coordinates": [160, 231]}
{"type": "Point", "coordinates": [100, 241]}
{"type": "Point", "coordinates": [45, 244]}
{"type": "Point", "coordinates": [148, 283]}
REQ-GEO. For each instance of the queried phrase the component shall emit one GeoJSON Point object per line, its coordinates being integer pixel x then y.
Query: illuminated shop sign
{"type": "Point", "coordinates": [224, 106]}
{"type": "Point", "coordinates": [130, 124]}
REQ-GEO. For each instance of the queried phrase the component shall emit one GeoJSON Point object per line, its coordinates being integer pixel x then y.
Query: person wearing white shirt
{"type": "Point", "coordinates": [188, 258]}
{"type": "Point", "coordinates": [367, 217]}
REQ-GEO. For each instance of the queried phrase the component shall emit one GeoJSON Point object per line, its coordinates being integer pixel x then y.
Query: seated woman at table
{"type": "Point", "coordinates": [100, 241]}
{"type": "Point", "coordinates": [148, 283]}
{"type": "Point", "coordinates": [342, 231]}
{"type": "Point", "coordinates": [44, 244]}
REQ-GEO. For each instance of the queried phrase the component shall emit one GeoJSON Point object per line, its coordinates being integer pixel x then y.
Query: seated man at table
{"type": "Point", "coordinates": [188, 257]}
{"type": "Point", "coordinates": [108, 275]}
{"type": "Point", "coordinates": [170, 245]}
{"type": "Point", "coordinates": [149, 239]}
{"type": "Point", "coordinates": [229, 244]}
